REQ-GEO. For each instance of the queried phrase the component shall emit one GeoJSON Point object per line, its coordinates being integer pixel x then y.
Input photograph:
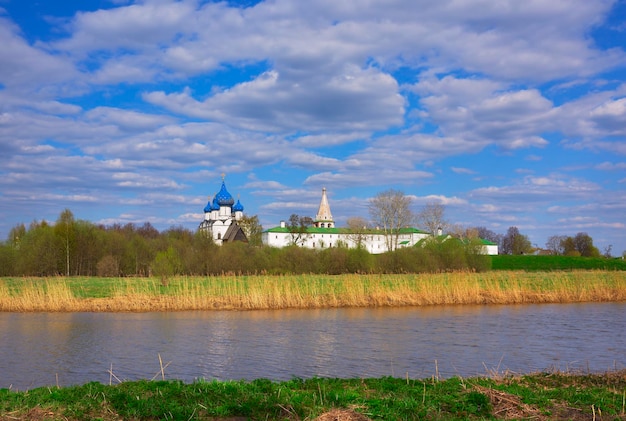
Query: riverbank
{"type": "Point", "coordinates": [73, 294]}
{"type": "Point", "coordinates": [540, 396]}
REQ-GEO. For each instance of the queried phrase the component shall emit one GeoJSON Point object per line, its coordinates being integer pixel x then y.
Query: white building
{"type": "Point", "coordinates": [324, 234]}
{"type": "Point", "coordinates": [221, 216]}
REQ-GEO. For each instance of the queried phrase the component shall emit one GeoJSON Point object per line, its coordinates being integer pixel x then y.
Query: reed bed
{"type": "Point", "coordinates": [308, 291]}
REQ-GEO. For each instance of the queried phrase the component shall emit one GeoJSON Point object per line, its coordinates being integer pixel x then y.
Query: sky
{"type": "Point", "coordinates": [506, 112]}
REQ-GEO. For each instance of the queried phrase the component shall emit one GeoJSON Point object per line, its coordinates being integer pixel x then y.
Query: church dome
{"type": "Point", "coordinates": [216, 205]}
{"type": "Point", "coordinates": [208, 207]}
{"type": "Point", "coordinates": [238, 207]}
{"type": "Point", "coordinates": [223, 197]}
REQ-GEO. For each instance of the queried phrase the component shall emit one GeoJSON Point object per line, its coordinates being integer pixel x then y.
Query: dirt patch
{"type": "Point", "coordinates": [342, 415]}
{"type": "Point", "coordinates": [507, 406]}
{"type": "Point", "coordinates": [36, 414]}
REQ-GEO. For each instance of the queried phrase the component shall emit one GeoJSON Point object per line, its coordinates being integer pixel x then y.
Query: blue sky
{"type": "Point", "coordinates": [508, 113]}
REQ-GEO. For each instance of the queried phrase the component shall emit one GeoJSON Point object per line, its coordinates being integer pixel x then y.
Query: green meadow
{"type": "Point", "coordinates": [539, 396]}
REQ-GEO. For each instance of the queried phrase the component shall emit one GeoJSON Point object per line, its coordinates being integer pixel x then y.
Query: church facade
{"type": "Point", "coordinates": [221, 217]}
{"type": "Point", "coordinates": [323, 234]}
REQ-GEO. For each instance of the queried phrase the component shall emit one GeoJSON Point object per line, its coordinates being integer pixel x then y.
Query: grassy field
{"type": "Point", "coordinates": [541, 396]}
{"type": "Point", "coordinates": [555, 263]}
{"type": "Point", "coordinates": [308, 291]}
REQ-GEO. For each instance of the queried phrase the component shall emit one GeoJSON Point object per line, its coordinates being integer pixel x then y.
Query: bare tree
{"type": "Point", "coordinates": [431, 217]}
{"type": "Point", "coordinates": [556, 244]}
{"type": "Point", "coordinates": [390, 211]}
{"type": "Point", "coordinates": [299, 228]}
{"type": "Point", "coordinates": [487, 234]}
{"type": "Point", "coordinates": [515, 243]}
{"type": "Point", "coordinates": [358, 227]}
{"type": "Point", "coordinates": [463, 233]}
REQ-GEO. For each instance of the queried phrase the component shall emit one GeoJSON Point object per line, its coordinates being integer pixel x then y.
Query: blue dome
{"type": "Point", "coordinates": [238, 207]}
{"type": "Point", "coordinates": [208, 207]}
{"type": "Point", "coordinates": [216, 205]}
{"type": "Point", "coordinates": [223, 197]}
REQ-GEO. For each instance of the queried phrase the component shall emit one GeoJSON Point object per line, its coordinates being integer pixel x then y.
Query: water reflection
{"type": "Point", "coordinates": [43, 349]}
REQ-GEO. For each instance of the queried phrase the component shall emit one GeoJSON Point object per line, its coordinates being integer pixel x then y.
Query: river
{"type": "Point", "coordinates": [46, 349]}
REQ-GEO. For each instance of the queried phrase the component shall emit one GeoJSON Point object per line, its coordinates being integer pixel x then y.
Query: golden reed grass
{"type": "Point", "coordinates": [311, 291]}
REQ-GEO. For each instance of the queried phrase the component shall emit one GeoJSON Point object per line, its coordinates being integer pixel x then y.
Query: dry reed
{"type": "Point", "coordinates": [314, 291]}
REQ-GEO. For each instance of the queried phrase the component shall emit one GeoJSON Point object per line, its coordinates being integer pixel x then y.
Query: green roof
{"type": "Point", "coordinates": [316, 230]}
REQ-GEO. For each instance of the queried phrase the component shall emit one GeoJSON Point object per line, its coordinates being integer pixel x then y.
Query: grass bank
{"type": "Point", "coordinates": [541, 396]}
{"type": "Point", "coordinates": [555, 263]}
{"type": "Point", "coordinates": [308, 291]}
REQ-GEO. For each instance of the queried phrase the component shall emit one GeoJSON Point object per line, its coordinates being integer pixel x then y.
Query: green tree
{"type": "Point", "coordinates": [88, 251]}
{"type": "Point", "coordinates": [475, 257]}
{"type": "Point", "coordinates": [252, 228]}
{"type": "Point", "coordinates": [584, 244]}
{"type": "Point", "coordinates": [7, 259]}
{"type": "Point", "coordinates": [64, 229]}
{"type": "Point", "coordinates": [40, 251]}
{"type": "Point", "coordinates": [16, 235]}
{"type": "Point", "coordinates": [166, 264]}
{"type": "Point", "coordinates": [569, 247]}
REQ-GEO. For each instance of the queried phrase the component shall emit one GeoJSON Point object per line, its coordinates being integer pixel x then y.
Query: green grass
{"type": "Point", "coordinates": [553, 263]}
{"type": "Point", "coordinates": [537, 396]}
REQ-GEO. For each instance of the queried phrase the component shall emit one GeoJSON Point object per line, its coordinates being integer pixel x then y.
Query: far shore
{"type": "Point", "coordinates": [262, 292]}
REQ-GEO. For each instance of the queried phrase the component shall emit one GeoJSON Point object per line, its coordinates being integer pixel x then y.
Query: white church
{"type": "Point", "coordinates": [324, 234]}
{"type": "Point", "coordinates": [222, 216]}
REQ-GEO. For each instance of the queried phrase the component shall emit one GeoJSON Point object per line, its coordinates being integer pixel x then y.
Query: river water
{"type": "Point", "coordinates": [44, 349]}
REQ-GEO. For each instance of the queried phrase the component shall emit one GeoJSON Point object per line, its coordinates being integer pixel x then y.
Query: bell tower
{"type": "Point", "coordinates": [324, 219]}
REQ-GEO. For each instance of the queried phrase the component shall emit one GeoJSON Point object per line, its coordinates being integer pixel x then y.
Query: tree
{"type": "Point", "coordinates": [487, 234]}
{"type": "Point", "coordinates": [64, 228]}
{"type": "Point", "coordinates": [358, 227]}
{"type": "Point", "coordinates": [253, 229]}
{"type": "Point", "coordinates": [584, 245]}
{"type": "Point", "coordinates": [431, 217]}
{"type": "Point", "coordinates": [15, 235]}
{"type": "Point", "coordinates": [569, 247]}
{"type": "Point", "coordinates": [299, 228]}
{"type": "Point", "coordinates": [462, 233]}
{"type": "Point", "coordinates": [40, 251]}
{"type": "Point", "coordinates": [556, 244]}
{"type": "Point", "coordinates": [166, 264]}
{"type": "Point", "coordinates": [391, 211]}
{"type": "Point", "coordinates": [515, 243]}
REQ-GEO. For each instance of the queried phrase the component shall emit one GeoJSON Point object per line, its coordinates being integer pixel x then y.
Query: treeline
{"type": "Point", "coordinates": [80, 248]}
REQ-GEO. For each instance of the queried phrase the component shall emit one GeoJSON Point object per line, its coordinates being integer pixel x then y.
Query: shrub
{"type": "Point", "coordinates": [108, 267]}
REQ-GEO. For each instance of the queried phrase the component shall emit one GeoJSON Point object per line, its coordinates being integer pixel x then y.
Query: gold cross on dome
{"type": "Point", "coordinates": [223, 176]}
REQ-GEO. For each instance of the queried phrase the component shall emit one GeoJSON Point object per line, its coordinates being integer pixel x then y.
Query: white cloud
{"type": "Point", "coordinates": [127, 119]}
{"type": "Point", "coordinates": [358, 99]}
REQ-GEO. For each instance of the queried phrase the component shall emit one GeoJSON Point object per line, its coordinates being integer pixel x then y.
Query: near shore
{"type": "Point", "coordinates": [539, 396]}
{"type": "Point", "coordinates": [230, 292]}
